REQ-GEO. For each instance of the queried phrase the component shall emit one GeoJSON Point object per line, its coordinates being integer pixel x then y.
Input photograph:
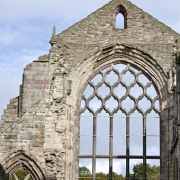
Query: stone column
{"type": "Point", "coordinates": [178, 84]}
{"type": "Point", "coordinates": [175, 165]}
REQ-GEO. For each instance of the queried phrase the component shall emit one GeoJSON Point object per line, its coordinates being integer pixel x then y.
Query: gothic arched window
{"type": "Point", "coordinates": [120, 21]}
{"type": "Point", "coordinates": [121, 17]}
{"type": "Point", "coordinates": [119, 123]}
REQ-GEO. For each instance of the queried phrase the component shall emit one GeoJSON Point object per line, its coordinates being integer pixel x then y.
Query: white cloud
{"type": "Point", "coordinates": [165, 11]}
{"type": "Point", "coordinates": [26, 27]}
{"type": "Point", "coordinates": [45, 9]}
{"type": "Point", "coordinates": [13, 65]}
{"type": "Point", "coordinates": [69, 12]}
{"type": "Point", "coordinates": [26, 35]}
{"type": "Point", "coordinates": [153, 162]}
{"type": "Point", "coordinates": [9, 87]}
{"type": "Point", "coordinates": [119, 166]}
{"type": "Point", "coordinates": [102, 165]}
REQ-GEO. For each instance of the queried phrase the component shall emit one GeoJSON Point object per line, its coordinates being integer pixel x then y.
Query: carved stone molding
{"type": "Point", "coordinates": [20, 160]}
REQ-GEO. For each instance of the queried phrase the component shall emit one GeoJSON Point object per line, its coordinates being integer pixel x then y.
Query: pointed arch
{"type": "Point", "coordinates": [120, 17]}
{"type": "Point", "coordinates": [104, 57]}
{"type": "Point", "coordinates": [120, 21]}
{"type": "Point", "coordinates": [20, 160]}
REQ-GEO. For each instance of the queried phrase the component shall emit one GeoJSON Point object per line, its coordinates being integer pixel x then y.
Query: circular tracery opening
{"type": "Point", "coordinates": [120, 87]}
{"type": "Point", "coordinates": [119, 122]}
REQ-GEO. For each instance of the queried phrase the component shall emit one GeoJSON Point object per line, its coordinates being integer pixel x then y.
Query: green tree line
{"type": "Point", "coordinates": [152, 173]}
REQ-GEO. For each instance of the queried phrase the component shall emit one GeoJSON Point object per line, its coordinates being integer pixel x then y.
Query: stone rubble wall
{"type": "Point", "coordinates": [98, 30]}
{"type": "Point", "coordinates": [46, 124]}
{"type": "Point", "coordinates": [35, 85]}
{"type": "Point", "coordinates": [90, 35]}
{"type": "Point", "coordinates": [11, 113]}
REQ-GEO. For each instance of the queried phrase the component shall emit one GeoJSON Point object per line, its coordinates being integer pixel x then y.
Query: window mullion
{"type": "Point", "coordinates": [94, 147]}
{"type": "Point", "coordinates": [127, 91]}
{"type": "Point", "coordinates": [127, 146]}
{"type": "Point", "coordinates": [144, 147]}
{"type": "Point", "coordinates": [110, 147]}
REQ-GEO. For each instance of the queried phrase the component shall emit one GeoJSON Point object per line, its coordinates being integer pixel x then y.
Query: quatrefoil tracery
{"type": "Point", "coordinates": [111, 99]}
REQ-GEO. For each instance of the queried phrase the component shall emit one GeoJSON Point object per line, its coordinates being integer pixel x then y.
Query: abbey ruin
{"type": "Point", "coordinates": [41, 128]}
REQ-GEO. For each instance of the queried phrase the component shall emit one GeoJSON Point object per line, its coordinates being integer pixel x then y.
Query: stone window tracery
{"type": "Point", "coordinates": [119, 122]}
{"type": "Point", "coordinates": [21, 174]}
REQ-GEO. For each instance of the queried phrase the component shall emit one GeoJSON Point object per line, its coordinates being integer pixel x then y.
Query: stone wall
{"type": "Point", "coordinates": [35, 85]}
{"type": "Point", "coordinates": [42, 125]}
{"type": "Point", "coordinates": [98, 30]}
{"type": "Point", "coordinates": [11, 113]}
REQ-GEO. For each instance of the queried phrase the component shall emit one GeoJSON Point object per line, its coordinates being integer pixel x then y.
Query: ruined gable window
{"type": "Point", "coordinates": [120, 17]}
{"type": "Point", "coordinates": [119, 124]}
{"type": "Point", "coordinates": [120, 21]}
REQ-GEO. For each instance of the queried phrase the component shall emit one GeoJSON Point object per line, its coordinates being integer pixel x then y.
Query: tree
{"type": "Point", "coordinates": [116, 176]}
{"type": "Point", "coordinates": [152, 172]}
{"type": "Point", "coordinates": [21, 175]}
{"type": "Point", "coordinates": [84, 172]}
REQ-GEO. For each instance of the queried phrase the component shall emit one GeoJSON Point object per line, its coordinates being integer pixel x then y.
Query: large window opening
{"type": "Point", "coordinates": [120, 126]}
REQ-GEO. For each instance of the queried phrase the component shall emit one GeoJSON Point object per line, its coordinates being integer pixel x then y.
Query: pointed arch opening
{"type": "Point", "coordinates": [21, 174]}
{"type": "Point", "coordinates": [120, 21]}
{"type": "Point", "coordinates": [121, 17]}
{"type": "Point", "coordinates": [119, 109]}
{"type": "Point", "coordinates": [22, 166]}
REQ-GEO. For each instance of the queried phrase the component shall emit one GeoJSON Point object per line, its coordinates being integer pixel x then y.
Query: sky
{"type": "Point", "coordinates": [26, 28]}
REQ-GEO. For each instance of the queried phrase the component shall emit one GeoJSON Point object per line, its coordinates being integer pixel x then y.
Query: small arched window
{"type": "Point", "coordinates": [120, 21]}
{"type": "Point", "coordinates": [121, 17]}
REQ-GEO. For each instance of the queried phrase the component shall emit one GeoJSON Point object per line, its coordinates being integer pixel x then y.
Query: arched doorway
{"type": "Point", "coordinates": [20, 166]}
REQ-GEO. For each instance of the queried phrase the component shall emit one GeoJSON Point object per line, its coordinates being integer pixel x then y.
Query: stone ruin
{"type": "Point", "coordinates": [40, 128]}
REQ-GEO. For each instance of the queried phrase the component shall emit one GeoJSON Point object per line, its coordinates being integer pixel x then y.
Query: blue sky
{"type": "Point", "coordinates": [26, 28]}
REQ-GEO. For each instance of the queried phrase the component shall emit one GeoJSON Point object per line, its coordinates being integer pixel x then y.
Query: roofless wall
{"type": "Point", "coordinates": [41, 129]}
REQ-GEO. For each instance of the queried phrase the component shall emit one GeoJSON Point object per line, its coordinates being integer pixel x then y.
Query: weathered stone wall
{"type": "Point", "coordinates": [144, 32]}
{"type": "Point", "coordinates": [118, 53]}
{"type": "Point", "coordinates": [11, 113]}
{"type": "Point", "coordinates": [22, 125]}
{"type": "Point", "coordinates": [35, 85]}
{"type": "Point", "coordinates": [44, 126]}
{"type": "Point", "coordinates": [98, 30]}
